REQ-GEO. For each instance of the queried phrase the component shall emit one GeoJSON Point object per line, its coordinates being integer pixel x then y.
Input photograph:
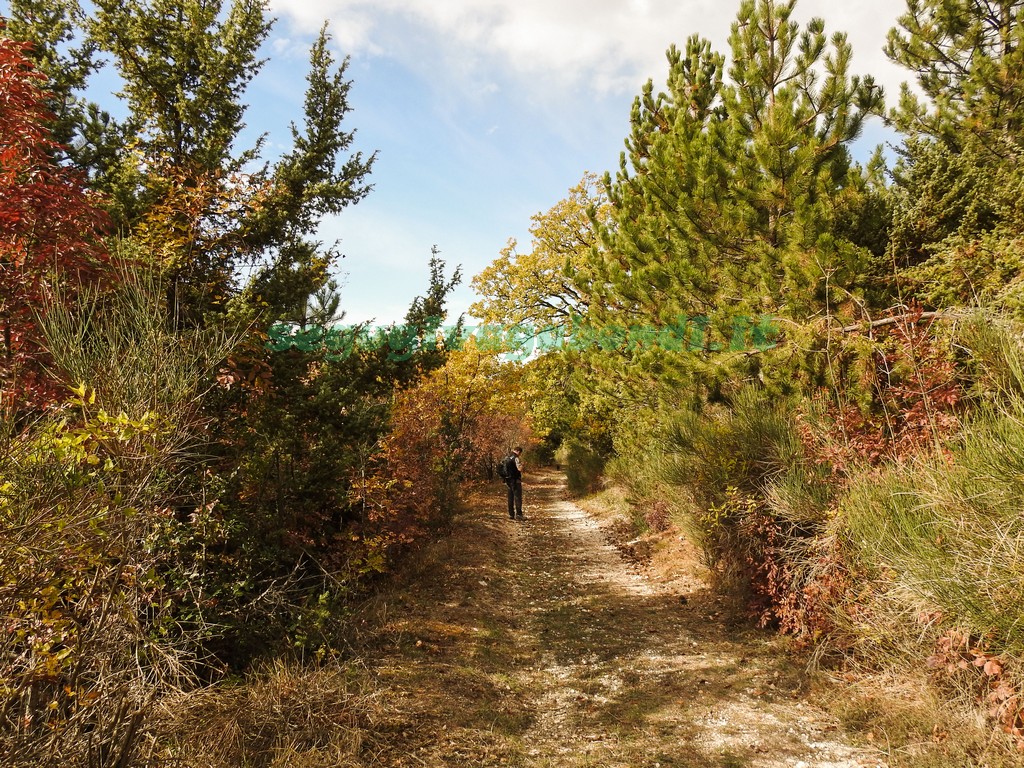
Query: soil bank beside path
{"type": "Point", "coordinates": [537, 644]}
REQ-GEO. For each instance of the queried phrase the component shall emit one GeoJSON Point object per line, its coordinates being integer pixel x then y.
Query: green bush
{"type": "Point", "coordinates": [582, 465]}
{"type": "Point", "coordinates": [641, 466]}
{"type": "Point", "coordinates": [735, 480]}
{"type": "Point", "coordinates": [729, 458]}
{"type": "Point", "coordinates": [948, 531]}
{"type": "Point", "coordinates": [742, 446]}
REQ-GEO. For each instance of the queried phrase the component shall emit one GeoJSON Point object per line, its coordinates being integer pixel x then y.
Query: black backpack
{"type": "Point", "coordinates": [505, 469]}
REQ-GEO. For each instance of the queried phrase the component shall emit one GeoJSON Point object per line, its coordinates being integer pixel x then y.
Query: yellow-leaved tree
{"type": "Point", "coordinates": [452, 426]}
{"type": "Point", "coordinates": [537, 297]}
{"type": "Point", "coordinates": [536, 290]}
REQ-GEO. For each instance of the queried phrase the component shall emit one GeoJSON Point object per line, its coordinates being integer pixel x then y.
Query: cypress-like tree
{"type": "Point", "coordinates": [82, 131]}
{"type": "Point", "coordinates": [179, 180]}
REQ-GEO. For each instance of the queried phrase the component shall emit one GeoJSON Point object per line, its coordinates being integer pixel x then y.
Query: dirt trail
{"type": "Point", "coordinates": [537, 644]}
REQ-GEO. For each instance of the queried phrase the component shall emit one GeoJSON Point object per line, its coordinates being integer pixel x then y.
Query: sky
{"type": "Point", "coordinates": [485, 112]}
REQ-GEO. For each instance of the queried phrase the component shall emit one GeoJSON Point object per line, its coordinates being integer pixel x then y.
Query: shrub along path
{"type": "Point", "coordinates": [538, 644]}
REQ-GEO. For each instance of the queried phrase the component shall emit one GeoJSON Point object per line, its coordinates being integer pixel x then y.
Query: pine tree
{"type": "Point", "coordinates": [968, 59]}
{"type": "Point", "coordinates": [958, 215]}
{"type": "Point", "coordinates": [726, 203]}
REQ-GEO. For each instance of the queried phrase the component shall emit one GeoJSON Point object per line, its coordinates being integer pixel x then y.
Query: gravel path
{"type": "Point", "coordinates": [537, 644]}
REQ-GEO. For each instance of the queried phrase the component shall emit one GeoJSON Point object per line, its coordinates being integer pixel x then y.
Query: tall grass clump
{"type": "Point", "coordinates": [946, 526]}
{"type": "Point", "coordinates": [940, 546]}
{"type": "Point", "coordinates": [743, 492]}
{"type": "Point", "coordinates": [92, 639]}
{"type": "Point", "coordinates": [939, 537]}
{"type": "Point", "coordinates": [640, 467]}
{"type": "Point", "coordinates": [742, 447]}
{"type": "Point", "coordinates": [948, 529]}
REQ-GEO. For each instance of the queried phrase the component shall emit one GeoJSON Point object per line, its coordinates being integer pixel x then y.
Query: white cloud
{"type": "Point", "coordinates": [604, 46]}
{"type": "Point", "coordinates": [866, 23]}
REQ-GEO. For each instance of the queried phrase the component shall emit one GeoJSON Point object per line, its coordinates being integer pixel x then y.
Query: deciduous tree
{"type": "Point", "coordinates": [459, 418]}
{"type": "Point", "coordinates": [536, 289]}
{"type": "Point", "coordinates": [50, 227]}
{"type": "Point", "coordinates": [86, 134]}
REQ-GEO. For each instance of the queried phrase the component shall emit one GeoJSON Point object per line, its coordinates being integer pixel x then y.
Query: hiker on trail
{"type": "Point", "coordinates": [510, 469]}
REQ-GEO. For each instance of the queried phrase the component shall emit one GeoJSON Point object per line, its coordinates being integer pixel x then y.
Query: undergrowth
{"type": "Point", "coordinates": [878, 523]}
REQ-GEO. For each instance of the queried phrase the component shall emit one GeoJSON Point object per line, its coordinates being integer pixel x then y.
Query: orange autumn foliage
{"type": "Point", "coordinates": [50, 228]}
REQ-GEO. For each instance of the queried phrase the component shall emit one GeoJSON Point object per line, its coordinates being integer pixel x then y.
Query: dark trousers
{"type": "Point", "coordinates": [515, 498]}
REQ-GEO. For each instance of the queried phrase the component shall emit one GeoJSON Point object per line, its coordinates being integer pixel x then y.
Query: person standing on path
{"type": "Point", "coordinates": [513, 475]}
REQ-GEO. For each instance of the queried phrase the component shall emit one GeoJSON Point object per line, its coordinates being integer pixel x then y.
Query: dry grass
{"type": "Point", "coordinates": [522, 644]}
{"type": "Point", "coordinates": [904, 715]}
{"type": "Point", "coordinates": [439, 691]}
{"type": "Point", "coordinates": [282, 715]}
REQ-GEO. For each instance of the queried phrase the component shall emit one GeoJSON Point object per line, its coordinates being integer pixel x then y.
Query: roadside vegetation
{"type": "Point", "coordinates": [189, 513]}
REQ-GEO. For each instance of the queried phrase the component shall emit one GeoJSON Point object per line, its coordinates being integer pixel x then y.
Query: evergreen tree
{"type": "Point", "coordinates": [958, 216]}
{"type": "Point", "coordinates": [423, 322]}
{"type": "Point", "coordinates": [324, 308]}
{"type": "Point", "coordinates": [318, 177]}
{"type": "Point", "coordinates": [726, 204]}
{"type": "Point", "coordinates": [82, 131]}
{"type": "Point", "coordinates": [968, 60]}
{"type": "Point", "coordinates": [180, 182]}
{"type": "Point", "coordinates": [185, 70]}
